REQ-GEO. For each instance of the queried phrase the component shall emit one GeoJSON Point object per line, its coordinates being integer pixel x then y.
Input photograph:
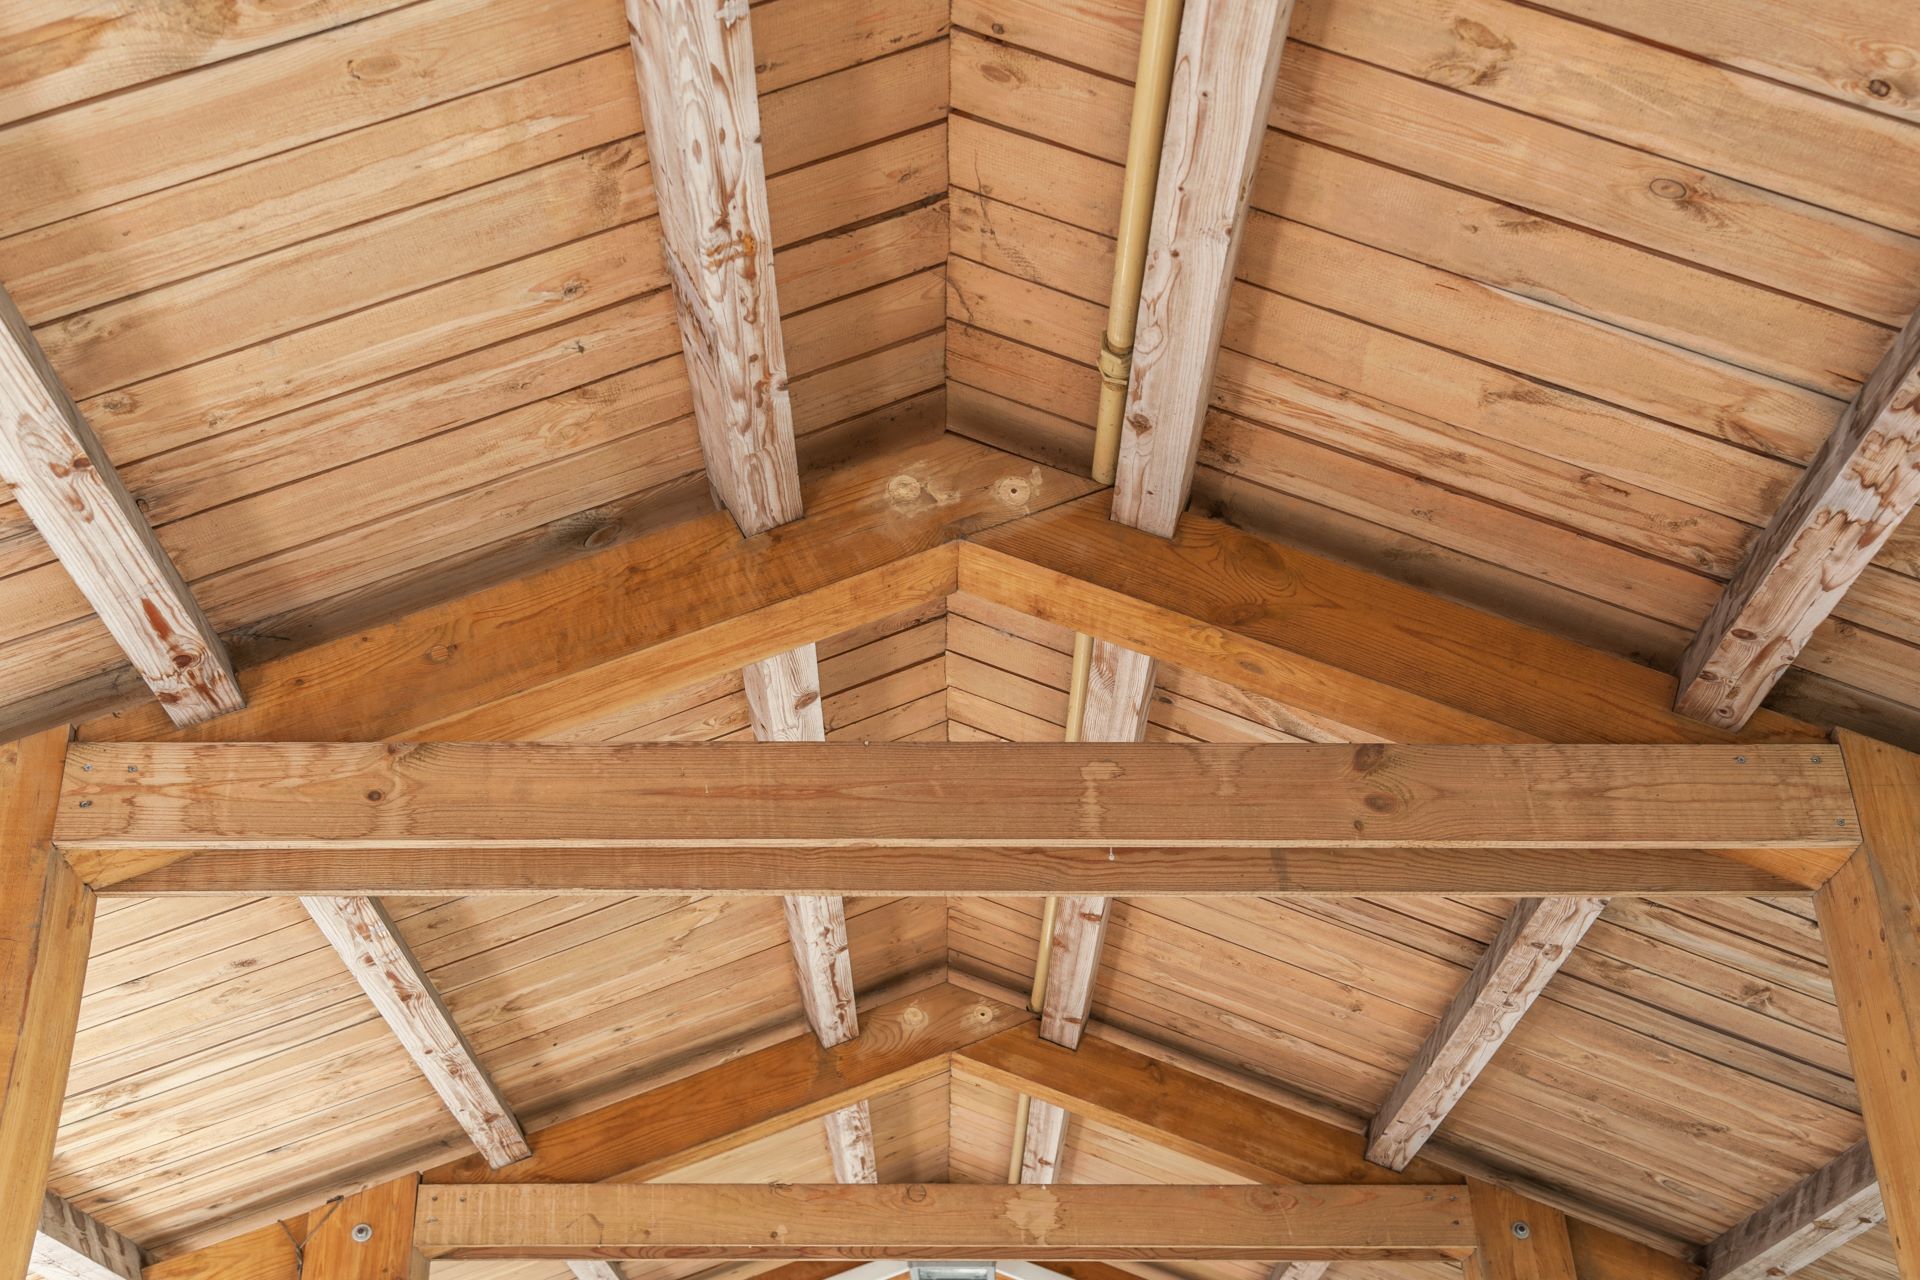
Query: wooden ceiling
{"type": "Point", "coordinates": [1542, 307]}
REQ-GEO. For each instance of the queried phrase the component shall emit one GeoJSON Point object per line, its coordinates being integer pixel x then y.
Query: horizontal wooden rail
{"type": "Point", "coordinates": [943, 1221]}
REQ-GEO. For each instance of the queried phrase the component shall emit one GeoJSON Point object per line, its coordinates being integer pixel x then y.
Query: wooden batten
{"type": "Point", "coordinates": [922, 1220]}
{"type": "Point", "coordinates": [695, 66]}
{"type": "Point", "coordinates": [1224, 70]}
{"type": "Point", "coordinates": [1836, 1203]}
{"type": "Point", "coordinates": [380, 960]}
{"type": "Point", "coordinates": [62, 478]}
{"type": "Point", "coordinates": [1531, 946]}
{"type": "Point", "coordinates": [73, 1245]}
{"type": "Point", "coordinates": [1848, 502]}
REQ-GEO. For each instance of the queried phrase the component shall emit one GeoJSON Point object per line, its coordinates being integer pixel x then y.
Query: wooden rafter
{"type": "Point", "coordinates": [1531, 946]}
{"type": "Point", "coordinates": [73, 1245]}
{"type": "Point", "coordinates": [380, 960]}
{"type": "Point", "coordinates": [1046, 1140]}
{"type": "Point", "coordinates": [694, 61]}
{"type": "Point", "coordinates": [1299, 1271]}
{"type": "Point", "coordinates": [1832, 1205]}
{"type": "Point", "coordinates": [1223, 78]}
{"type": "Point", "coordinates": [1845, 506]}
{"type": "Point", "coordinates": [63, 480]}
{"type": "Point", "coordinates": [942, 1220]}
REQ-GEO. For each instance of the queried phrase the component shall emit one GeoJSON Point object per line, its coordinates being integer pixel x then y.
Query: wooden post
{"type": "Point", "coordinates": [367, 1236]}
{"type": "Point", "coordinates": [46, 923]}
{"type": "Point", "coordinates": [1520, 1239]}
{"type": "Point", "coordinates": [1870, 914]}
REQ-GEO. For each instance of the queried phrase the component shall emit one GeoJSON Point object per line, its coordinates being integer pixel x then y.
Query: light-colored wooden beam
{"type": "Point", "coordinates": [63, 480]}
{"type": "Point", "coordinates": [383, 964]}
{"type": "Point", "coordinates": [1223, 78]}
{"type": "Point", "coordinates": [1046, 1140]}
{"type": "Point", "coordinates": [594, 1270]}
{"type": "Point", "coordinates": [1511, 973]}
{"type": "Point", "coordinates": [1870, 918]}
{"type": "Point", "coordinates": [943, 1221]}
{"type": "Point", "coordinates": [695, 65]}
{"type": "Point", "coordinates": [73, 1245]}
{"type": "Point", "coordinates": [1809, 1220]}
{"type": "Point", "coordinates": [1845, 506]}
{"type": "Point", "coordinates": [1258, 1137]}
{"type": "Point", "coordinates": [46, 923]}
{"type": "Point", "coordinates": [850, 1144]}
{"type": "Point", "coordinates": [1299, 1271]}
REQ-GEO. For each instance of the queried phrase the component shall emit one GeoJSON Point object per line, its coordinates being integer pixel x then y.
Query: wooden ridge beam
{"type": "Point", "coordinates": [1222, 89]}
{"type": "Point", "coordinates": [1535, 941]}
{"type": "Point", "coordinates": [1806, 1222]}
{"type": "Point", "coordinates": [942, 1220]}
{"type": "Point", "coordinates": [1846, 504]}
{"type": "Point", "coordinates": [1251, 1136]}
{"type": "Point", "coordinates": [63, 480]}
{"type": "Point", "coordinates": [695, 66]}
{"type": "Point", "coordinates": [73, 1245]}
{"type": "Point", "coordinates": [1870, 918]}
{"type": "Point", "coordinates": [380, 960]}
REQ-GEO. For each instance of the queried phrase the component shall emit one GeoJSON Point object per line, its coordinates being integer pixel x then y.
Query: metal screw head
{"type": "Point", "coordinates": [1521, 1231]}
{"type": "Point", "coordinates": [86, 804]}
{"type": "Point", "coordinates": [1739, 759]}
{"type": "Point", "coordinates": [362, 1232]}
{"type": "Point", "coordinates": [86, 768]}
{"type": "Point", "coordinates": [1816, 759]}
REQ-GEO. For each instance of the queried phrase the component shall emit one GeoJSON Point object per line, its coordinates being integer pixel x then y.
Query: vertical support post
{"type": "Point", "coordinates": [46, 924]}
{"type": "Point", "coordinates": [1870, 915]}
{"type": "Point", "coordinates": [367, 1236]}
{"type": "Point", "coordinates": [1520, 1239]}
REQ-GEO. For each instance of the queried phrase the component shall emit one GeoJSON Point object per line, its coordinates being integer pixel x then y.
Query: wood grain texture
{"type": "Point", "coordinates": [1809, 1220]}
{"type": "Point", "coordinates": [380, 960]}
{"type": "Point", "coordinates": [1223, 78]}
{"type": "Point", "coordinates": [922, 1220]}
{"type": "Point", "coordinates": [1841, 512]}
{"type": "Point", "coordinates": [1519, 1239]}
{"type": "Point", "coordinates": [73, 1245]}
{"type": "Point", "coordinates": [850, 1144]}
{"type": "Point", "coordinates": [1079, 931]}
{"type": "Point", "coordinates": [1299, 1271]}
{"type": "Point", "coordinates": [695, 65]}
{"type": "Point", "coordinates": [46, 922]}
{"type": "Point", "coordinates": [593, 1270]}
{"type": "Point", "coordinates": [1870, 918]}
{"type": "Point", "coordinates": [333, 1249]}
{"type": "Point", "coordinates": [1535, 941]}
{"type": "Point", "coordinates": [63, 480]}
{"type": "Point", "coordinates": [1046, 1141]}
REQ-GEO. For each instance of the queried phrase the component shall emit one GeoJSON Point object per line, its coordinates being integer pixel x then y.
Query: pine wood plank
{"type": "Point", "coordinates": [71, 1245]}
{"type": "Point", "coordinates": [920, 1219]}
{"type": "Point", "coordinates": [1223, 76]}
{"type": "Point", "coordinates": [43, 960]}
{"type": "Point", "coordinates": [368, 941]}
{"type": "Point", "coordinates": [695, 66]}
{"type": "Point", "coordinates": [1844, 508]}
{"type": "Point", "coordinates": [1046, 1140]}
{"type": "Point", "coordinates": [1822, 1212]}
{"type": "Point", "coordinates": [63, 479]}
{"type": "Point", "coordinates": [366, 1236]}
{"type": "Point", "coordinates": [1869, 920]}
{"type": "Point", "coordinates": [1535, 941]}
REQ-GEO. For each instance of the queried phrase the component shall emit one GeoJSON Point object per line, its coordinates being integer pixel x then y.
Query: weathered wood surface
{"type": "Point", "coordinates": [46, 921]}
{"type": "Point", "coordinates": [921, 1220]}
{"type": "Point", "coordinates": [1223, 76]}
{"type": "Point", "coordinates": [695, 66]}
{"type": "Point", "coordinates": [850, 1144]}
{"type": "Point", "coordinates": [1046, 1143]}
{"type": "Point", "coordinates": [318, 796]}
{"type": "Point", "coordinates": [1510, 975]}
{"type": "Point", "coordinates": [72, 1245]}
{"type": "Point", "coordinates": [1841, 512]}
{"type": "Point", "coordinates": [370, 945]}
{"type": "Point", "coordinates": [1299, 1271]}
{"type": "Point", "coordinates": [1823, 1211]}
{"type": "Point", "coordinates": [61, 477]}
{"type": "Point", "coordinates": [1870, 918]}
{"type": "Point", "coordinates": [585, 1270]}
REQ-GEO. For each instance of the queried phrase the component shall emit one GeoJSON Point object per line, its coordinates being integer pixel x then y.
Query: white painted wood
{"type": "Point", "coordinates": [1299, 1271]}
{"type": "Point", "coordinates": [63, 480]}
{"type": "Point", "coordinates": [72, 1245]}
{"type": "Point", "coordinates": [850, 1142]}
{"type": "Point", "coordinates": [695, 65]}
{"type": "Point", "coordinates": [1844, 507]}
{"type": "Point", "coordinates": [1046, 1139]}
{"type": "Point", "coordinates": [381, 962]}
{"type": "Point", "coordinates": [1529, 949]}
{"type": "Point", "coordinates": [594, 1270]}
{"type": "Point", "coordinates": [1817, 1215]}
{"type": "Point", "coordinates": [783, 696]}
{"type": "Point", "coordinates": [1223, 78]}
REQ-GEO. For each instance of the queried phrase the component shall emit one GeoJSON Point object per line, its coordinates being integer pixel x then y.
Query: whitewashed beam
{"type": "Point", "coordinates": [1046, 1141]}
{"type": "Point", "coordinates": [381, 962]}
{"type": "Point", "coordinates": [1845, 506]}
{"type": "Point", "coordinates": [850, 1142]}
{"type": "Point", "coordinates": [1299, 1271]}
{"type": "Point", "coordinates": [62, 479]}
{"type": "Point", "coordinates": [594, 1270]}
{"type": "Point", "coordinates": [1529, 949]}
{"type": "Point", "coordinates": [72, 1245]}
{"type": "Point", "coordinates": [1222, 90]}
{"type": "Point", "coordinates": [694, 60]}
{"type": "Point", "coordinates": [1823, 1211]}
